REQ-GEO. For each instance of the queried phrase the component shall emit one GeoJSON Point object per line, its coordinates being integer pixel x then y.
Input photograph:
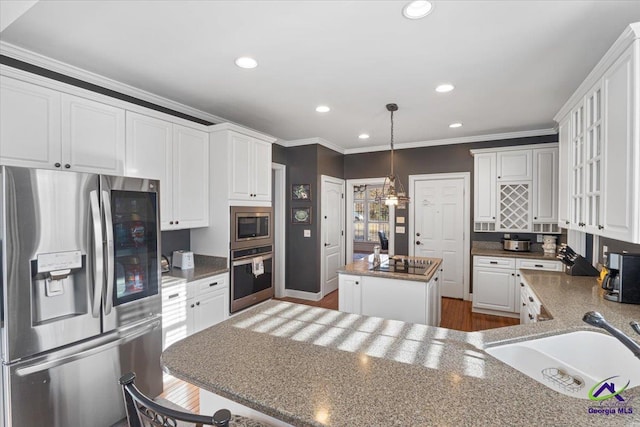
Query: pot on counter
{"type": "Point", "coordinates": [516, 245]}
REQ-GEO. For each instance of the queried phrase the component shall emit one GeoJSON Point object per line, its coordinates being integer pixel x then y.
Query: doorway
{"type": "Point", "coordinates": [332, 232]}
{"type": "Point", "coordinates": [439, 226]}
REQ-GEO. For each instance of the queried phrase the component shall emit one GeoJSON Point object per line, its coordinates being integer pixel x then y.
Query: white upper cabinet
{"type": "Point", "coordinates": [30, 133]}
{"type": "Point", "coordinates": [514, 165]}
{"type": "Point", "coordinates": [563, 173]}
{"type": "Point", "coordinates": [93, 136]}
{"type": "Point", "coordinates": [250, 162]}
{"type": "Point", "coordinates": [545, 186]}
{"type": "Point", "coordinates": [178, 156]}
{"type": "Point", "coordinates": [604, 145]}
{"type": "Point", "coordinates": [621, 219]}
{"type": "Point", "coordinates": [43, 128]}
{"type": "Point", "coordinates": [516, 189]}
{"type": "Point", "coordinates": [190, 177]}
{"type": "Point", "coordinates": [484, 186]}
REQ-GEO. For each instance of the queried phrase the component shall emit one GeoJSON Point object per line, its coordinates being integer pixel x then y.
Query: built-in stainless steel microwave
{"type": "Point", "coordinates": [251, 226]}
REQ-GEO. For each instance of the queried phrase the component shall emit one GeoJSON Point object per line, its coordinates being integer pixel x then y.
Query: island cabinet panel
{"type": "Point", "coordinates": [390, 298]}
{"type": "Point", "coordinates": [395, 299]}
{"type": "Point", "coordinates": [349, 296]}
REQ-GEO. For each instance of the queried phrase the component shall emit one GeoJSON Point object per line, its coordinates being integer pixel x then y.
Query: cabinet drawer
{"type": "Point", "coordinates": [534, 264]}
{"type": "Point", "coordinates": [211, 284]}
{"type": "Point", "coordinates": [497, 262]}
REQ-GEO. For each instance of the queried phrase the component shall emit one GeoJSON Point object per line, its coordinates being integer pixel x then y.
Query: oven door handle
{"type": "Point", "coordinates": [249, 260]}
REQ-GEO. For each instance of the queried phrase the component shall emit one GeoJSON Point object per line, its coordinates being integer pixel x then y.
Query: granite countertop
{"type": "Point", "coordinates": [310, 366]}
{"type": "Point", "coordinates": [204, 266]}
{"type": "Point", "coordinates": [363, 268]}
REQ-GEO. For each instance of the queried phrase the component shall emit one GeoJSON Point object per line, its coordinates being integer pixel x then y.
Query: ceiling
{"type": "Point", "coordinates": [513, 63]}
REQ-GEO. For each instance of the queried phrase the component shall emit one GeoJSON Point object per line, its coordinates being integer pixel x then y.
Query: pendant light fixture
{"type": "Point", "coordinates": [393, 192]}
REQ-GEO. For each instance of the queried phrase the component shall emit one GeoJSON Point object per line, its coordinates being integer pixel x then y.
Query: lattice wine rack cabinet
{"type": "Point", "coordinates": [514, 211]}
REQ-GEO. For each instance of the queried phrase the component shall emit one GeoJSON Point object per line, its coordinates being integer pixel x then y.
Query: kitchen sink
{"type": "Point", "coordinates": [573, 363]}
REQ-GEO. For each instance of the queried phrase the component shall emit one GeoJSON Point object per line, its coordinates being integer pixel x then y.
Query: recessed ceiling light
{"type": "Point", "coordinates": [455, 125]}
{"type": "Point", "coordinates": [417, 9]}
{"type": "Point", "coordinates": [322, 109]}
{"type": "Point", "coordinates": [363, 136]}
{"type": "Point", "coordinates": [446, 87]}
{"type": "Point", "coordinates": [246, 62]}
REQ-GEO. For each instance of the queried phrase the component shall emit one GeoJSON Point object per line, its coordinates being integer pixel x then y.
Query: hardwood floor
{"type": "Point", "coordinates": [456, 314]}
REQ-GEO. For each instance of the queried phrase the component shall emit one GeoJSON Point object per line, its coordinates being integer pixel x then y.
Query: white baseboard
{"type": "Point", "coordinates": [310, 296]}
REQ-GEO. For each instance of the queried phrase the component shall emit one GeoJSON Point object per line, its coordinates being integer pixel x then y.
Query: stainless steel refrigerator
{"type": "Point", "coordinates": [80, 276]}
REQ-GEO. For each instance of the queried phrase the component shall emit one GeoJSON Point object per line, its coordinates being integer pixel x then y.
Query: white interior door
{"type": "Point", "coordinates": [439, 229]}
{"type": "Point", "coordinates": [332, 232]}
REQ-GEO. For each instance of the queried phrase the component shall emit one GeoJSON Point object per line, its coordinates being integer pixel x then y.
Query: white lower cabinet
{"type": "Point", "coordinates": [207, 302]}
{"type": "Point", "coordinates": [174, 312]}
{"type": "Point", "coordinates": [349, 296]}
{"type": "Point", "coordinates": [530, 305]}
{"type": "Point", "coordinates": [405, 300]}
{"type": "Point", "coordinates": [496, 283]}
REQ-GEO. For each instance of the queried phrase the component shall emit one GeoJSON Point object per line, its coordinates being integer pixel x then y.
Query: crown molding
{"type": "Point", "coordinates": [452, 141]}
{"type": "Point", "coordinates": [628, 36]}
{"type": "Point", "coordinates": [51, 64]}
{"type": "Point", "coordinates": [311, 141]}
{"type": "Point", "coordinates": [519, 147]}
{"type": "Point", "coordinates": [243, 130]}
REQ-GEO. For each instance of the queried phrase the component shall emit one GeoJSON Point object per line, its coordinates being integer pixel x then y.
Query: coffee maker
{"type": "Point", "coordinates": [622, 282]}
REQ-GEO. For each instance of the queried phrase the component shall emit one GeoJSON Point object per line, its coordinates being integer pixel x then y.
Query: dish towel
{"type": "Point", "coordinates": [257, 266]}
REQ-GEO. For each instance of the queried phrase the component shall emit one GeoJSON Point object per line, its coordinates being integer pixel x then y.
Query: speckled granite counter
{"type": "Point", "coordinates": [204, 266]}
{"type": "Point", "coordinates": [363, 268]}
{"type": "Point", "coordinates": [310, 366]}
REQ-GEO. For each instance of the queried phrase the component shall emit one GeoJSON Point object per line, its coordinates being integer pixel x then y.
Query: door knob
{"type": "Point", "coordinates": [418, 234]}
{"type": "Point", "coordinates": [418, 242]}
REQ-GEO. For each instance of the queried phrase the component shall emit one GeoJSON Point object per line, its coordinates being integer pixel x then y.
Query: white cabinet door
{"type": "Point", "coordinates": [514, 165]}
{"type": "Point", "coordinates": [349, 293]}
{"type": "Point", "coordinates": [261, 171]}
{"type": "Point", "coordinates": [434, 301]}
{"type": "Point", "coordinates": [577, 168]}
{"type": "Point", "coordinates": [149, 155]}
{"type": "Point", "coordinates": [190, 177]}
{"type": "Point", "coordinates": [241, 175]}
{"type": "Point", "coordinates": [210, 309]}
{"type": "Point", "coordinates": [485, 187]}
{"type": "Point", "coordinates": [622, 143]}
{"type": "Point", "coordinates": [564, 144]}
{"type": "Point", "coordinates": [250, 169]}
{"type": "Point", "coordinates": [593, 161]}
{"type": "Point", "coordinates": [30, 134]}
{"type": "Point", "coordinates": [493, 289]}
{"type": "Point", "coordinates": [93, 136]}
{"type": "Point", "coordinates": [545, 185]}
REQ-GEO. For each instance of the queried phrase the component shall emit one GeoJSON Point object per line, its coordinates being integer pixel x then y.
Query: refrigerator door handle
{"type": "Point", "coordinates": [108, 225]}
{"type": "Point", "coordinates": [95, 346]}
{"type": "Point", "coordinates": [98, 269]}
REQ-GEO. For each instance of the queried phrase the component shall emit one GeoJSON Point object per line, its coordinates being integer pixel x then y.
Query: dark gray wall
{"type": "Point", "coordinates": [616, 246]}
{"type": "Point", "coordinates": [429, 160]}
{"type": "Point", "coordinates": [303, 270]}
{"type": "Point", "coordinates": [175, 241]}
{"type": "Point", "coordinates": [278, 154]}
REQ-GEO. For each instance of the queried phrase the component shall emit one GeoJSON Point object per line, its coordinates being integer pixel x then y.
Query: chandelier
{"type": "Point", "coordinates": [393, 192]}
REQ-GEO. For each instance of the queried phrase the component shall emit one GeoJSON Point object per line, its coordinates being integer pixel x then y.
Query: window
{"type": "Point", "coordinates": [369, 216]}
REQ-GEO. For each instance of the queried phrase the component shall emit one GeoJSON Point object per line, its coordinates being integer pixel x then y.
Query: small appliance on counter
{"type": "Point", "coordinates": [576, 264]}
{"type": "Point", "coordinates": [164, 264]}
{"type": "Point", "coordinates": [515, 244]}
{"type": "Point", "coordinates": [183, 260]}
{"type": "Point", "coordinates": [622, 281]}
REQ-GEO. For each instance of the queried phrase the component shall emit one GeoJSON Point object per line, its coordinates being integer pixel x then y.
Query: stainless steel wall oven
{"type": "Point", "coordinates": [251, 276]}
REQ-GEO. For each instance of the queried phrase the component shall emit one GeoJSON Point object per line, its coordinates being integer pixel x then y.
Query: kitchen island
{"type": "Point", "coordinates": [401, 288]}
{"type": "Point", "coordinates": [309, 366]}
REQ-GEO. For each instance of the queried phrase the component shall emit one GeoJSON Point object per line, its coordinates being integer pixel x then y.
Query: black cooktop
{"type": "Point", "coordinates": [418, 267]}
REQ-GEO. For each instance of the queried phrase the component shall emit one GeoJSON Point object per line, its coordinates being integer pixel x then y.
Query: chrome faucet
{"type": "Point", "coordinates": [596, 319]}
